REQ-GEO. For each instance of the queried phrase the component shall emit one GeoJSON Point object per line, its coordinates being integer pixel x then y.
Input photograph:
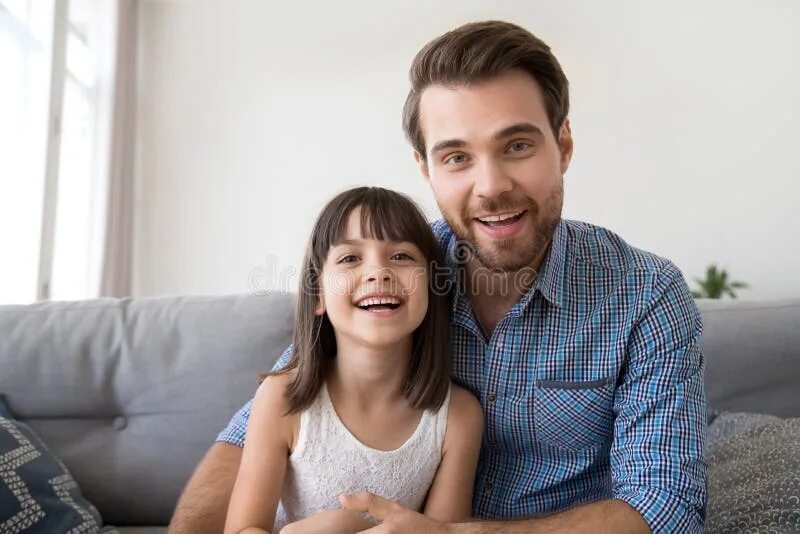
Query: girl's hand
{"type": "Point", "coordinates": [329, 522]}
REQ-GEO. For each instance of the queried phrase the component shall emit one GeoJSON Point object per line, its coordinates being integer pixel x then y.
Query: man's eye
{"type": "Point", "coordinates": [455, 159]}
{"type": "Point", "coordinates": [350, 258]}
{"type": "Point", "coordinates": [519, 146]}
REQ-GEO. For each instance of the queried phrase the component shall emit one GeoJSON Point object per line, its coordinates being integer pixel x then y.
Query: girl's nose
{"type": "Point", "coordinates": [376, 274]}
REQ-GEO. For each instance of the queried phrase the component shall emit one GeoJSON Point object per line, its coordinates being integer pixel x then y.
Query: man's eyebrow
{"type": "Point", "coordinates": [448, 143]}
{"type": "Point", "coordinates": [514, 129]}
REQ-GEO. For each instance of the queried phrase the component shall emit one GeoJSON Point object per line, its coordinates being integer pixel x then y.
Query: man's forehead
{"type": "Point", "coordinates": [481, 109]}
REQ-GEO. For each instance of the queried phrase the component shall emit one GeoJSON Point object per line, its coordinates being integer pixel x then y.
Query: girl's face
{"type": "Point", "coordinates": [374, 292]}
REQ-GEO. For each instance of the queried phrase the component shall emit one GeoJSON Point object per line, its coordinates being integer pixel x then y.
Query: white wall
{"type": "Point", "coordinates": [253, 114]}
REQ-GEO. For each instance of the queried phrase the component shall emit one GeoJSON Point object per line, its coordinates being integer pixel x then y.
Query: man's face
{"type": "Point", "coordinates": [495, 167]}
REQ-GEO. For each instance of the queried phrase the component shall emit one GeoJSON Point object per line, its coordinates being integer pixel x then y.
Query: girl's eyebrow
{"type": "Point", "coordinates": [343, 242]}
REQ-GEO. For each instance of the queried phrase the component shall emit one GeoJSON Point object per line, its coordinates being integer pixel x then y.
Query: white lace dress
{"type": "Point", "coordinates": [329, 460]}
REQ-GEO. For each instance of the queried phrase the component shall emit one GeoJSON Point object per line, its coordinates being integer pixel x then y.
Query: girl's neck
{"type": "Point", "coordinates": [370, 376]}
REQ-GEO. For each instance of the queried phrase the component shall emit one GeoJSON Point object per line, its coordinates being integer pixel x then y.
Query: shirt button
{"type": "Point", "coordinates": [491, 397]}
{"type": "Point", "coordinates": [488, 486]}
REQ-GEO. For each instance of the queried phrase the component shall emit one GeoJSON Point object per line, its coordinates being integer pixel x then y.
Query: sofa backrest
{"type": "Point", "coordinates": [752, 352]}
{"type": "Point", "coordinates": [130, 393]}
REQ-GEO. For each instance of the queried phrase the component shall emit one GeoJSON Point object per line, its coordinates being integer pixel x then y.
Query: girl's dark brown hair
{"type": "Point", "coordinates": [385, 215]}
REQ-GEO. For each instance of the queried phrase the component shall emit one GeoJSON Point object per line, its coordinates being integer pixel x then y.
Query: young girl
{"type": "Point", "coordinates": [365, 403]}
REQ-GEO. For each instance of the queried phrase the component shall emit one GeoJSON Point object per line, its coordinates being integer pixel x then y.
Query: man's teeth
{"type": "Point", "coordinates": [374, 301]}
{"type": "Point", "coordinates": [501, 217]}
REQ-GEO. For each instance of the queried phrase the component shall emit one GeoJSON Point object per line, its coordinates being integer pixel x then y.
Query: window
{"type": "Point", "coordinates": [49, 52]}
{"type": "Point", "coordinates": [26, 30]}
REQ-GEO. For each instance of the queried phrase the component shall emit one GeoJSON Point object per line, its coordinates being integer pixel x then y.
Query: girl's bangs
{"type": "Point", "coordinates": [385, 216]}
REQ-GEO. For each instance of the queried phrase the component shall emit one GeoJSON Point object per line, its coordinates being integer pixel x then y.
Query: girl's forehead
{"type": "Point", "coordinates": [357, 228]}
{"type": "Point", "coordinates": [360, 229]}
{"type": "Point", "coordinates": [369, 241]}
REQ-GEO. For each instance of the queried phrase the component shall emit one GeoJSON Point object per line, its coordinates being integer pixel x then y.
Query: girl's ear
{"type": "Point", "coordinates": [320, 309]}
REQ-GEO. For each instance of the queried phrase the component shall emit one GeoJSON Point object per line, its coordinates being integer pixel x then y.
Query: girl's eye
{"type": "Point", "coordinates": [350, 258]}
{"type": "Point", "coordinates": [402, 256]}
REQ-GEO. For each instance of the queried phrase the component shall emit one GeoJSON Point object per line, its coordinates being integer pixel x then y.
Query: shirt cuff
{"type": "Point", "coordinates": [663, 511]}
{"type": "Point", "coordinates": [237, 427]}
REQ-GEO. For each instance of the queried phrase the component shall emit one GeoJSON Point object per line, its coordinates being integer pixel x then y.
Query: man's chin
{"type": "Point", "coordinates": [505, 257]}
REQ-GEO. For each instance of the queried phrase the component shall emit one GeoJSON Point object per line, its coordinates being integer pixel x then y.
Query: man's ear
{"type": "Point", "coordinates": [565, 145]}
{"type": "Point", "coordinates": [423, 165]}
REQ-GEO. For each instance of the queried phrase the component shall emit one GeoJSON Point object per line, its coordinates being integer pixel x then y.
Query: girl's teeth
{"type": "Point", "coordinates": [375, 301]}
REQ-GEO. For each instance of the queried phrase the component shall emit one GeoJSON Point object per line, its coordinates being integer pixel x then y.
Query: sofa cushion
{"type": "Point", "coordinates": [753, 474]}
{"type": "Point", "coordinates": [130, 393]}
{"type": "Point", "coordinates": [37, 493]}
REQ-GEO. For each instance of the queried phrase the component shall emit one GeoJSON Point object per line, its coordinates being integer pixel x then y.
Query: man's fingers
{"type": "Point", "coordinates": [369, 503]}
{"type": "Point", "coordinates": [377, 529]}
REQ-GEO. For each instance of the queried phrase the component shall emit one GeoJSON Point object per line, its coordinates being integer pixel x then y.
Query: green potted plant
{"type": "Point", "coordinates": [716, 284]}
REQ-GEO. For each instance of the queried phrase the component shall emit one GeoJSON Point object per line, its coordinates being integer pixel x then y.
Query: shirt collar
{"type": "Point", "coordinates": [549, 281]}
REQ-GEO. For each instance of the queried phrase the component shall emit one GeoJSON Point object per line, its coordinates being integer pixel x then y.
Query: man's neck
{"type": "Point", "coordinates": [493, 294]}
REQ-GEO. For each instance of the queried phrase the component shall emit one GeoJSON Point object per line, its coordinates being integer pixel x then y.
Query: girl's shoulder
{"type": "Point", "coordinates": [464, 416]}
{"type": "Point", "coordinates": [463, 404]}
{"type": "Point", "coordinates": [271, 406]}
{"type": "Point", "coordinates": [272, 391]}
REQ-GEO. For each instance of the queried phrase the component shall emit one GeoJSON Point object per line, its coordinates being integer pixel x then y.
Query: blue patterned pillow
{"type": "Point", "coordinates": [37, 493]}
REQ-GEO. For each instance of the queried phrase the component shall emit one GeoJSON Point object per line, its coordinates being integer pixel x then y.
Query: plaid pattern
{"type": "Point", "coordinates": [592, 385]}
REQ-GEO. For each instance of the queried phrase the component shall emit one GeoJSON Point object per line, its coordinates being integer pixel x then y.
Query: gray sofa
{"type": "Point", "coordinates": [130, 393]}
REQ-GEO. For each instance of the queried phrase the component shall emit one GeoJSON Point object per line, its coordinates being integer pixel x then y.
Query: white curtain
{"type": "Point", "coordinates": [115, 257]}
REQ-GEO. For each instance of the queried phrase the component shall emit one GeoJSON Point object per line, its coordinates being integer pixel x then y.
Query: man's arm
{"type": "Point", "coordinates": [604, 517]}
{"type": "Point", "coordinates": [204, 502]}
{"type": "Point", "coordinates": [658, 454]}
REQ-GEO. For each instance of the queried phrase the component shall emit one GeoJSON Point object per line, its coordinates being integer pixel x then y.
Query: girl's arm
{"type": "Point", "coordinates": [450, 496]}
{"type": "Point", "coordinates": [269, 438]}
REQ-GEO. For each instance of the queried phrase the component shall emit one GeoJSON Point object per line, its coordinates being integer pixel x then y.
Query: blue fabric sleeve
{"type": "Point", "coordinates": [658, 455]}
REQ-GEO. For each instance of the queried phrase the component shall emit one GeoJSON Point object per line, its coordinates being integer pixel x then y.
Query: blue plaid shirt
{"type": "Point", "coordinates": [591, 385]}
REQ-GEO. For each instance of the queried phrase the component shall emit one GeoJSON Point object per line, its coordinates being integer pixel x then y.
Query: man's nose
{"type": "Point", "coordinates": [491, 179]}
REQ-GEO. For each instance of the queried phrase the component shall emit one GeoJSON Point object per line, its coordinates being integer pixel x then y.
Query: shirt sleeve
{"type": "Point", "coordinates": [658, 455]}
{"type": "Point", "coordinates": [237, 427]}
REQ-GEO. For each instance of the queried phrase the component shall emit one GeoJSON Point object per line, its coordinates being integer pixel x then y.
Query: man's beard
{"type": "Point", "coordinates": [512, 254]}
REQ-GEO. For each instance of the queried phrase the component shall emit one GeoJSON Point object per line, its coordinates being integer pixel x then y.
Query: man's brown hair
{"type": "Point", "coordinates": [477, 52]}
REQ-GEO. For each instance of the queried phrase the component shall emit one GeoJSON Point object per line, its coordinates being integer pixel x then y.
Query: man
{"type": "Point", "coordinates": [582, 350]}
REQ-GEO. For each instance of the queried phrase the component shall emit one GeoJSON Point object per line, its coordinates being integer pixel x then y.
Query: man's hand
{"type": "Point", "coordinates": [336, 521]}
{"type": "Point", "coordinates": [393, 517]}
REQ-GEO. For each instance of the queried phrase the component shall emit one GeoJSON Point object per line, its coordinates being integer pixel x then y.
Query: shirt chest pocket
{"type": "Point", "coordinates": [573, 415]}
